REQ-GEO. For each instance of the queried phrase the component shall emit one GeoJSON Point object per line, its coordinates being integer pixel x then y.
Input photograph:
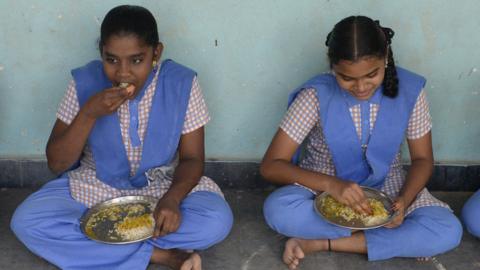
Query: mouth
{"type": "Point", "coordinates": [123, 84]}
{"type": "Point", "coordinates": [126, 85]}
{"type": "Point", "coordinates": [362, 94]}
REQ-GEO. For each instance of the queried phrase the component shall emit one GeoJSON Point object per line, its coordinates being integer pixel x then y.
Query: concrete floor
{"type": "Point", "coordinates": [251, 244]}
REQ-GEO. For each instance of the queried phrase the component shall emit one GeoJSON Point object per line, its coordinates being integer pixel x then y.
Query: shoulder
{"type": "Point", "coordinates": [408, 77]}
{"type": "Point", "coordinates": [309, 94]}
{"type": "Point", "coordinates": [410, 84]}
{"type": "Point", "coordinates": [92, 67]}
{"type": "Point", "coordinates": [322, 84]}
{"type": "Point", "coordinates": [321, 80]}
{"type": "Point", "coordinates": [89, 73]}
{"type": "Point", "coordinates": [89, 79]}
{"type": "Point", "coordinates": [325, 84]}
{"type": "Point", "coordinates": [172, 68]}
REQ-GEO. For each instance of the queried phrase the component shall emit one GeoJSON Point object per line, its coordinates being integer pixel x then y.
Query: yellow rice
{"type": "Point", "coordinates": [332, 208]}
{"type": "Point", "coordinates": [132, 228]}
{"type": "Point", "coordinates": [135, 225]}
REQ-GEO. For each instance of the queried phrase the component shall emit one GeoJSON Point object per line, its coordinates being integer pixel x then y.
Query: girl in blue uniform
{"type": "Point", "coordinates": [136, 125]}
{"type": "Point", "coordinates": [354, 120]}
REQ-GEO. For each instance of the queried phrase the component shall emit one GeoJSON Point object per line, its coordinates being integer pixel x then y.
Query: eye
{"type": "Point", "coordinates": [111, 60]}
{"type": "Point", "coordinates": [347, 79]}
{"type": "Point", "coordinates": [137, 60]}
{"type": "Point", "coordinates": [372, 75]}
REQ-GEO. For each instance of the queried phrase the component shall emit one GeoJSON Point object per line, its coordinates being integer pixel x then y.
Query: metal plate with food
{"type": "Point", "coordinates": [121, 220]}
{"type": "Point", "coordinates": [341, 215]}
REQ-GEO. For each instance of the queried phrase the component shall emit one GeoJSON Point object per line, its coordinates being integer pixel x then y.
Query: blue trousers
{"type": "Point", "coordinates": [47, 222]}
{"type": "Point", "coordinates": [425, 232]}
{"type": "Point", "coordinates": [471, 214]}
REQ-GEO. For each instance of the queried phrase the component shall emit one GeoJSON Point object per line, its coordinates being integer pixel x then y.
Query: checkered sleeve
{"type": "Point", "coordinates": [302, 115]}
{"type": "Point", "coordinates": [197, 112]}
{"type": "Point", "coordinates": [420, 122]}
{"type": "Point", "coordinates": [69, 106]}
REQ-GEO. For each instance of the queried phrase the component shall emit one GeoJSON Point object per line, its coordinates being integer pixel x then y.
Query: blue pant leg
{"type": "Point", "coordinates": [471, 214]}
{"type": "Point", "coordinates": [427, 231]}
{"type": "Point", "coordinates": [206, 220]}
{"type": "Point", "coordinates": [47, 222]}
{"type": "Point", "coordinates": [289, 211]}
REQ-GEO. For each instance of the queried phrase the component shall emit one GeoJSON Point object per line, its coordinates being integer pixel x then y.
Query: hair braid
{"type": "Point", "coordinates": [390, 81]}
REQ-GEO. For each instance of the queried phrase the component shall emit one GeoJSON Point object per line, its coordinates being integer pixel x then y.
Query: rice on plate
{"type": "Point", "coordinates": [120, 221]}
{"type": "Point", "coordinates": [331, 208]}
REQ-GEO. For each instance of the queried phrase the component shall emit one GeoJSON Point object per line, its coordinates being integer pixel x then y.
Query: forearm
{"type": "Point", "coordinates": [65, 149]}
{"type": "Point", "coordinates": [417, 178]}
{"type": "Point", "coordinates": [283, 172]}
{"type": "Point", "coordinates": [186, 177]}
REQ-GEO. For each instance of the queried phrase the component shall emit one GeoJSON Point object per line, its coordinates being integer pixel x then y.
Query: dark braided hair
{"type": "Point", "coordinates": [358, 36]}
{"type": "Point", "coordinates": [126, 20]}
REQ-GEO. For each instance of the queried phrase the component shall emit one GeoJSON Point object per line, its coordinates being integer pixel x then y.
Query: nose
{"type": "Point", "coordinates": [124, 69]}
{"type": "Point", "coordinates": [360, 85]}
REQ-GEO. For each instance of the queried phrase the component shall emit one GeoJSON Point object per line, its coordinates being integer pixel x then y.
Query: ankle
{"type": "Point", "coordinates": [172, 258]}
{"type": "Point", "coordinates": [160, 256]}
{"type": "Point", "coordinates": [309, 246]}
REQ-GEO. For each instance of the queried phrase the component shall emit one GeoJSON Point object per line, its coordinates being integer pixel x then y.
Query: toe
{"type": "Point", "coordinates": [287, 256]}
{"type": "Point", "coordinates": [287, 259]}
{"type": "Point", "coordinates": [197, 263]}
{"type": "Point", "coordinates": [298, 252]}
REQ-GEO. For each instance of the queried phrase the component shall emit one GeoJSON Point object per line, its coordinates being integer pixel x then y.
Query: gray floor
{"type": "Point", "coordinates": [251, 244]}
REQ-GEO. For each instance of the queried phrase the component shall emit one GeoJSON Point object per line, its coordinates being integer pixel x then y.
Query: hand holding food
{"type": "Point", "coordinates": [350, 194]}
{"type": "Point", "coordinates": [333, 209]}
{"type": "Point", "coordinates": [167, 217]}
{"type": "Point", "coordinates": [399, 208]}
{"type": "Point", "coordinates": [129, 87]}
{"type": "Point", "coordinates": [107, 101]}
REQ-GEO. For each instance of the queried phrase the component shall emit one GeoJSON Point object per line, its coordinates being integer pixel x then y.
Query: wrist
{"type": "Point", "coordinates": [330, 184]}
{"type": "Point", "coordinates": [170, 197]}
{"type": "Point", "coordinates": [404, 201]}
{"type": "Point", "coordinates": [87, 115]}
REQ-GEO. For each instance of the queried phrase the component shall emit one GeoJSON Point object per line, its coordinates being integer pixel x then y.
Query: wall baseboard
{"type": "Point", "coordinates": [32, 173]}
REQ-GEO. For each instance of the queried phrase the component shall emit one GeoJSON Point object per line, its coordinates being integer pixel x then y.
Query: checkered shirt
{"type": "Point", "coordinates": [84, 185]}
{"type": "Point", "coordinates": [302, 121]}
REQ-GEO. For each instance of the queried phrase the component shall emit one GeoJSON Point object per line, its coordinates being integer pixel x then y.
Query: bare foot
{"type": "Point", "coordinates": [423, 259]}
{"type": "Point", "coordinates": [176, 259]}
{"type": "Point", "coordinates": [295, 250]}
{"type": "Point", "coordinates": [194, 262]}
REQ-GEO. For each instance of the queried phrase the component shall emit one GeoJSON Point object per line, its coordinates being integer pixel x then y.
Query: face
{"type": "Point", "coordinates": [127, 59]}
{"type": "Point", "coordinates": [362, 77]}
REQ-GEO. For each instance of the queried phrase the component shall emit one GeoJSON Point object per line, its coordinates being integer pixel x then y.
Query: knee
{"type": "Point", "coordinates": [280, 211]}
{"type": "Point", "coordinates": [20, 223]}
{"type": "Point", "coordinates": [471, 216]}
{"type": "Point", "coordinates": [216, 225]}
{"type": "Point", "coordinates": [455, 233]}
{"type": "Point", "coordinates": [274, 212]}
{"type": "Point", "coordinates": [437, 231]}
{"type": "Point", "coordinates": [222, 222]}
{"type": "Point", "coordinates": [449, 234]}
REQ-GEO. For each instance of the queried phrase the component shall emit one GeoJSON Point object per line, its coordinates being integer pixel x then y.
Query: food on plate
{"type": "Point", "coordinates": [135, 227]}
{"type": "Point", "coordinates": [332, 209]}
{"type": "Point", "coordinates": [127, 222]}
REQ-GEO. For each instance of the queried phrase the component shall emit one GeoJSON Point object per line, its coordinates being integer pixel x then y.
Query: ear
{"type": "Point", "coordinates": [157, 52]}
